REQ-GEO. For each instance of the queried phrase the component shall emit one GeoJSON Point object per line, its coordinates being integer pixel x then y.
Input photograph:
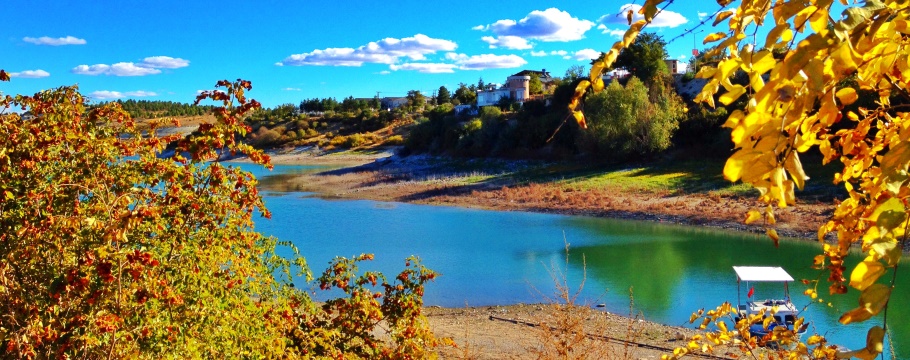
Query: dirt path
{"type": "Point", "coordinates": [514, 332]}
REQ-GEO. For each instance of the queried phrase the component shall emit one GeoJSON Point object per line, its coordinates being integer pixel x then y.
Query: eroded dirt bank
{"type": "Point", "coordinates": [423, 180]}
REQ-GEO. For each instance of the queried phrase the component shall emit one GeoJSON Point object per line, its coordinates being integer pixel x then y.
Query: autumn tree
{"type": "Point", "coordinates": [796, 102]}
{"type": "Point", "coordinates": [111, 248]}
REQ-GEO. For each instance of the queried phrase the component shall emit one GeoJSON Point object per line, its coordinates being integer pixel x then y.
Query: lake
{"type": "Point", "coordinates": [500, 258]}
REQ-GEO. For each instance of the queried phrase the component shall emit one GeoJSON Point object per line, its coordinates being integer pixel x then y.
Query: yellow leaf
{"type": "Point", "coordinates": [763, 61]}
{"type": "Point", "coordinates": [800, 22]}
{"type": "Point", "coordinates": [814, 339]}
{"type": "Point", "coordinates": [847, 96]}
{"type": "Point", "coordinates": [734, 93]}
{"type": "Point", "coordinates": [596, 70]}
{"type": "Point", "coordinates": [580, 118]}
{"type": "Point", "coordinates": [863, 354]}
{"type": "Point", "coordinates": [855, 315]}
{"type": "Point", "coordinates": [728, 67]}
{"type": "Point", "coordinates": [773, 235]}
{"type": "Point", "coordinates": [752, 216]}
{"type": "Point", "coordinates": [649, 9]}
{"type": "Point", "coordinates": [714, 37]}
{"type": "Point", "coordinates": [815, 72]}
{"type": "Point", "coordinates": [734, 119]}
{"type": "Point", "coordinates": [795, 168]}
{"type": "Point", "coordinates": [775, 34]}
{"type": "Point", "coordinates": [889, 214]}
{"type": "Point", "coordinates": [783, 12]}
{"type": "Point", "coordinates": [597, 84]}
{"type": "Point", "coordinates": [819, 20]}
{"type": "Point", "coordinates": [632, 33]}
{"type": "Point", "coordinates": [610, 56]}
{"type": "Point", "coordinates": [721, 16]}
{"type": "Point", "coordinates": [871, 302]}
{"type": "Point", "coordinates": [865, 274]}
{"type": "Point", "coordinates": [581, 88]}
{"type": "Point", "coordinates": [722, 326]}
{"type": "Point", "coordinates": [875, 297]}
{"type": "Point", "coordinates": [735, 165]}
{"type": "Point", "coordinates": [874, 339]}
{"type": "Point", "coordinates": [886, 249]}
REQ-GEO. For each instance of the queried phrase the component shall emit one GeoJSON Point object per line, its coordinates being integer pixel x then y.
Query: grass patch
{"type": "Point", "coordinates": [665, 177]}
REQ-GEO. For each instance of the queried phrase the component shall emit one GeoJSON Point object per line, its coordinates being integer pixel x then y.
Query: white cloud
{"type": "Point", "coordinates": [148, 66]}
{"type": "Point", "coordinates": [480, 27]}
{"type": "Point", "coordinates": [538, 53]}
{"type": "Point", "coordinates": [292, 89]}
{"type": "Point", "coordinates": [617, 33]}
{"type": "Point", "coordinates": [107, 95]}
{"type": "Point", "coordinates": [164, 62]}
{"type": "Point", "coordinates": [385, 72]}
{"type": "Point", "coordinates": [486, 61]}
{"type": "Point", "coordinates": [586, 54]}
{"type": "Point", "coordinates": [559, 52]}
{"type": "Point", "coordinates": [426, 68]}
{"type": "Point", "coordinates": [549, 25]}
{"type": "Point", "coordinates": [118, 69]}
{"type": "Point", "coordinates": [508, 42]}
{"type": "Point", "coordinates": [30, 74]}
{"type": "Point", "coordinates": [682, 57]}
{"type": "Point", "coordinates": [45, 40]}
{"type": "Point", "coordinates": [385, 51]}
{"type": "Point", "coordinates": [665, 18]}
{"type": "Point", "coordinates": [702, 15]}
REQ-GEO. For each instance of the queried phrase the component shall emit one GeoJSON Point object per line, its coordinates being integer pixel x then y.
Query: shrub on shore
{"type": "Point", "coordinates": [109, 250]}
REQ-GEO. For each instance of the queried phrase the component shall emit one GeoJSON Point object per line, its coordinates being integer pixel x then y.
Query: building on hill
{"type": "Point", "coordinates": [516, 87]}
{"type": "Point", "coordinates": [390, 103]}
{"type": "Point", "coordinates": [676, 67]}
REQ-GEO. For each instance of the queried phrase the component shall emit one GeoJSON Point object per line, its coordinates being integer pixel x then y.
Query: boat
{"type": "Point", "coordinates": [783, 313]}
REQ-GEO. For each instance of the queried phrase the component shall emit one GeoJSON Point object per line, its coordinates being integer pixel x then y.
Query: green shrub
{"type": "Point", "coordinates": [626, 121]}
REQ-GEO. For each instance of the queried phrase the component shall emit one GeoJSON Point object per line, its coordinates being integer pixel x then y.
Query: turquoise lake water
{"type": "Point", "coordinates": [500, 258]}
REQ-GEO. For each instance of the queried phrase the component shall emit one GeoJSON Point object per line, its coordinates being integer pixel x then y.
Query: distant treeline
{"type": "Point", "coordinates": [330, 104]}
{"type": "Point", "coordinates": [145, 109]}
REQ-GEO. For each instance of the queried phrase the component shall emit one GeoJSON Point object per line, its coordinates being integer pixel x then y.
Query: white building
{"type": "Point", "coordinates": [516, 87]}
{"type": "Point", "coordinates": [676, 66]}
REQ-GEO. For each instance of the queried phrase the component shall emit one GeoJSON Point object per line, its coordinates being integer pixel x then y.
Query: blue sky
{"type": "Point", "coordinates": [293, 50]}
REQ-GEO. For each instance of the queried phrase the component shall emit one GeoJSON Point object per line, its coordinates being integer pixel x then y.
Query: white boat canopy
{"type": "Point", "coordinates": [762, 273]}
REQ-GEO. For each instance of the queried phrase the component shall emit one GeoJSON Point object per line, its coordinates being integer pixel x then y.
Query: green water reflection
{"type": "Point", "coordinates": [494, 257]}
{"type": "Point", "coordinates": [675, 270]}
